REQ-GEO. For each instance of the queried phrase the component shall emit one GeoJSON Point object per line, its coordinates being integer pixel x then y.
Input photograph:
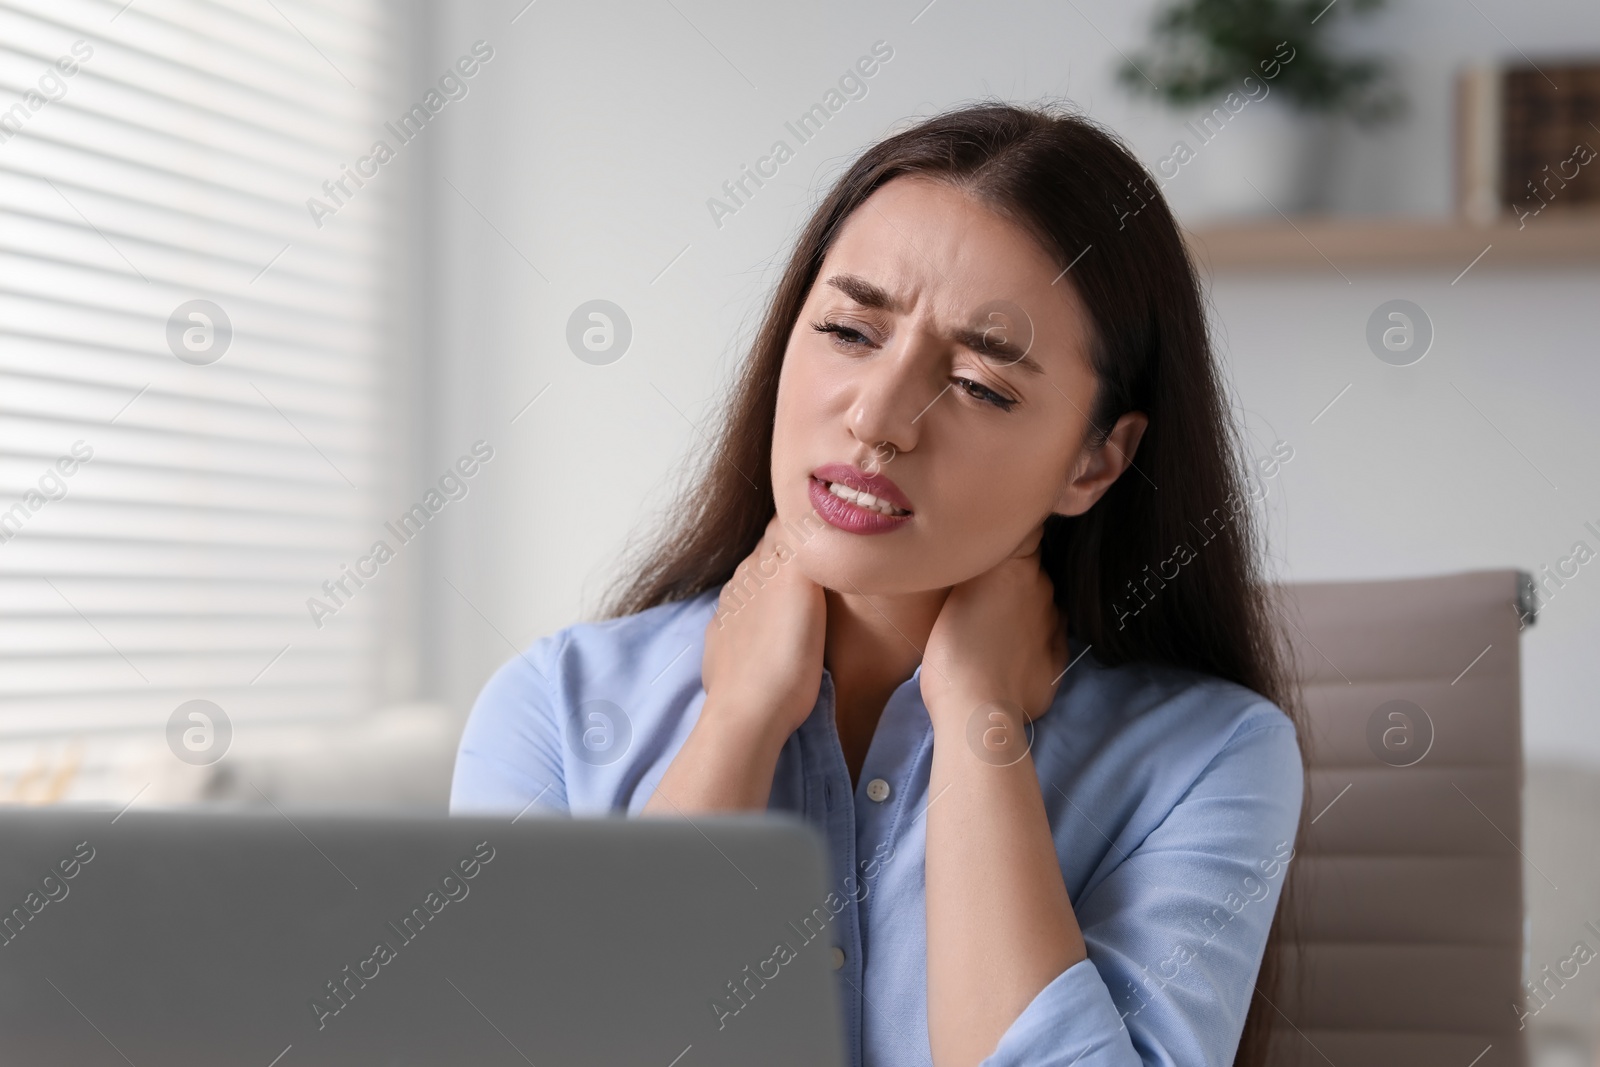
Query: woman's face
{"type": "Point", "coordinates": [951, 382]}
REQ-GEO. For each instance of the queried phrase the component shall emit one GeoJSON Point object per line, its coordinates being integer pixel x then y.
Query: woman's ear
{"type": "Point", "coordinates": [1097, 468]}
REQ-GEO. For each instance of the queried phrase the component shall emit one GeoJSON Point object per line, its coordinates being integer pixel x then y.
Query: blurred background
{"type": "Point", "coordinates": [344, 344]}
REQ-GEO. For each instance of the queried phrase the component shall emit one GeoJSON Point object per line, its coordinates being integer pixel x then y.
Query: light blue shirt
{"type": "Point", "coordinates": [1172, 796]}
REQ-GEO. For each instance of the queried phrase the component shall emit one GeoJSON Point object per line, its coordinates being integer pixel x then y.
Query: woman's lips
{"type": "Point", "coordinates": [875, 484]}
{"type": "Point", "coordinates": [848, 515]}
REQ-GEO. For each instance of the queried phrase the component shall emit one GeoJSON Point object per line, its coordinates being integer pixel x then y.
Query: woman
{"type": "Point", "coordinates": [969, 581]}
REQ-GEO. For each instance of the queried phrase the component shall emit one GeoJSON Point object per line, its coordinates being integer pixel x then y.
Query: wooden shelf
{"type": "Point", "coordinates": [1552, 239]}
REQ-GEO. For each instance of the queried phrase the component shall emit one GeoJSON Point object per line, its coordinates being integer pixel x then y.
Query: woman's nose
{"type": "Point", "coordinates": [894, 393]}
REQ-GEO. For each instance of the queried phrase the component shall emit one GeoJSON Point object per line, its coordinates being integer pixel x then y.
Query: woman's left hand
{"type": "Point", "coordinates": [998, 637]}
{"type": "Point", "coordinates": [1000, 924]}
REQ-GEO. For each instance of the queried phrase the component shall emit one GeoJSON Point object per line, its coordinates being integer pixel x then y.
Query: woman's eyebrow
{"type": "Point", "coordinates": [980, 342]}
{"type": "Point", "coordinates": [995, 350]}
{"type": "Point", "coordinates": [864, 292]}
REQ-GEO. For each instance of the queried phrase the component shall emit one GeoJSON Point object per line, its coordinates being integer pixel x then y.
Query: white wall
{"type": "Point", "coordinates": [591, 142]}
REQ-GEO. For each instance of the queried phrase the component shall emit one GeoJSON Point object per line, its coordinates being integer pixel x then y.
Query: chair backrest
{"type": "Point", "coordinates": [1404, 902]}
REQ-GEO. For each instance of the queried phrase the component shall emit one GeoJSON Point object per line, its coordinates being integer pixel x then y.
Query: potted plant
{"type": "Point", "coordinates": [1263, 81]}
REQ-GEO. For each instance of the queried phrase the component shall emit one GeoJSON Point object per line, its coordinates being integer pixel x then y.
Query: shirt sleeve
{"type": "Point", "coordinates": [1176, 932]}
{"type": "Point", "coordinates": [510, 757]}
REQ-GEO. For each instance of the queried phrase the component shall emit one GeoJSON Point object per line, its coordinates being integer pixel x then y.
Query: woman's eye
{"type": "Point", "coordinates": [847, 337]}
{"type": "Point", "coordinates": [978, 391]}
{"type": "Point", "coordinates": [843, 334]}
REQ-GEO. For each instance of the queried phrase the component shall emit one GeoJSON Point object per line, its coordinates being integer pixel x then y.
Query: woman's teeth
{"type": "Point", "coordinates": [864, 500]}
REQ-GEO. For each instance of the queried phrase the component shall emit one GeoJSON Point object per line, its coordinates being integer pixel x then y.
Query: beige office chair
{"type": "Point", "coordinates": [1405, 899]}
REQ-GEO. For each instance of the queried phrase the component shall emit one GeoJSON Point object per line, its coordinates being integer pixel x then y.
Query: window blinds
{"type": "Point", "coordinates": [192, 373]}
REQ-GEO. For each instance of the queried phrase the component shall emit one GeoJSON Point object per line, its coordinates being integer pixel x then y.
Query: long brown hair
{"type": "Point", "coordinates": [1088, 201]}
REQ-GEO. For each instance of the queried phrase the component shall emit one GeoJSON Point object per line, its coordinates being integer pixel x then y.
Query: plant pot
{"type": "Point", "coordinates": [1258, 161]}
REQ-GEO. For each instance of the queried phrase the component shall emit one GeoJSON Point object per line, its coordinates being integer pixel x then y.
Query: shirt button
{"type": "Point", "coordinates": [878, 790]}
{"type": "Point", "coordinates": [838, 957]}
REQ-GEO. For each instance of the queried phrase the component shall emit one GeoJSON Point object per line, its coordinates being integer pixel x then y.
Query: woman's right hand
{"type": "Point", "coordinates": [762, 667]}
{"type": "Point", "coordinates": [761, 670]}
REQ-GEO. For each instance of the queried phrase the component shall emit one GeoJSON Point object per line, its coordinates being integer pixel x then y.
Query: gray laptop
{"type": "Point", "coordinates": [171, 939]}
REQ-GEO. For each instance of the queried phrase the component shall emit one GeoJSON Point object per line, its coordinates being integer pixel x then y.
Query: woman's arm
{"type": "Point", "coordinates": [1175, 930]}
{"type": "Point", "coordinates": [1000, 926]}
{"type": "Point", "coordinates": [725, 764]}
{"type": "Point", "coordinates": [1156, 961]}
{"type": "Point", "coordinates": [509, 758]}
{"type": "Point", "coordinates": [762, 670]}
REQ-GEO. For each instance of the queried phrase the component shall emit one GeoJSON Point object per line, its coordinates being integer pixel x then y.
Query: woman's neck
{"type": "Point", "coordinates": [872, 646]}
